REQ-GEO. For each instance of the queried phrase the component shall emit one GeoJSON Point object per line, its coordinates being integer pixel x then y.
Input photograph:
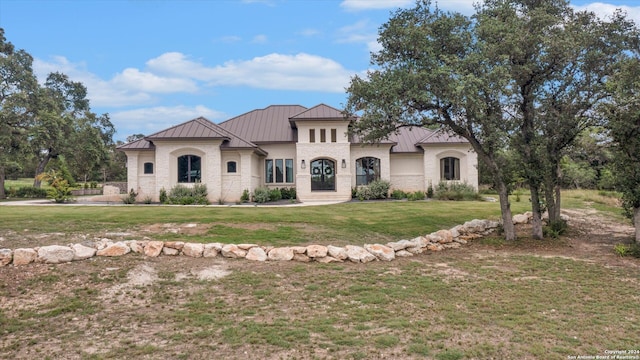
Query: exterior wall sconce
{"type": "Point", "coordinates": [303, 165]}
{"type": "Point", "coordinates": [344, 164]}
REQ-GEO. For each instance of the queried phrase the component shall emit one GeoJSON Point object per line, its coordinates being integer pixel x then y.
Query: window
{"type": "Point", "coordinates": [334, 135]}
{"type": "Point", "coordinates": [312, 135]}
{"type": "Point", "coordinates": [323, 175]}
{"type": "Point", "coordinates": [148, 168]}
{"type": "Point", "coordinates": [450, 168]}
{"type": "Point", "coordinates": [323, 135]}
{"type": "Point", "coordinates": [189, 169]}
{"type": "Point", "coordinates": [231, 166]}
{"type": "Point", "coordinates": [278, 171]}
{"type": "Point", "coordinates": [367, 170]}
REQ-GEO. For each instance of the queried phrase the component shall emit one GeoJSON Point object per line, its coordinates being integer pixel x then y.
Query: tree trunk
{"type": "Point", "coordinates": [636, 223]}
{"type": "Point", "coordinates": [40, 169]}
{"type": "Point", "coordinates": [3, 195]}
{"type": "Point", "coordinates": [552, 197]}
{"type": "Point", "coordinates": [505, 210]}
{"type": "Point", "coordinates": [536, 223]}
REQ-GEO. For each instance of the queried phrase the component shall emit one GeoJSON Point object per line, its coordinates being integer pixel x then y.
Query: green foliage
{"type": "Point", "coordinates": [288, 193]}
{"type": "Point", "coordinates": [555, 228]}
{"type": "Point", "coordinates": [59, 164]}
{"type": "Point", "coordinates": [183, 195]}
{"type": "Point", "coordinates": [607, 181]}
{"type": "Point", "coordinates": [456, 191]}
{"type": "Point", "coordinates": [632, 250]}
{"type": "Point", "coordinates": [398, 194]}
{"type": "Point", "coordinates": [163, 196]}
{"type": "Point", "coordinates": [246, 196]}
{"type": "Point", "coordinates": [147, 200]}
{"type": "Point", "coordinates": [418, 195]}
{"type": "Point", "coordinates": [430, 191]}
{"type": "Point", "coordinates": [275, 195]}
{"type": "Point", "coordinates": [94, 184]}
{"type": "Point", "coordinates": [60, 190]}
{"type": "Point", "coordinates": [27, 192]}
{"type": "Point", "coordinates": [377, 189]}
{"type": "Point", "coordinates": [130, 198]}
{"type": "Point", "coordinates": [578, 175]}
{"type": "Point", "coordinates": [261, 195]}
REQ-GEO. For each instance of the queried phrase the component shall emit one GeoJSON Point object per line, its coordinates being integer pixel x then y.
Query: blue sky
{"type": "Point", "coordinates": [151, 64]}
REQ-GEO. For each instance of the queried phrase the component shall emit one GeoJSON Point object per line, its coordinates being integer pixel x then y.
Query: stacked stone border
{"type": "Point", "coordinates": [436, 241]}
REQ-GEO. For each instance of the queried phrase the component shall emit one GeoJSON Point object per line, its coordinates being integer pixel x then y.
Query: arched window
{"type": "Point", "coordinates": [450, 168]}
{"type": "Point", "coordinates": [323, 175]}
{"type": "Point", "coordinates": [367, 170]}
{"type": "Point", "coordinates": [148, 168]}
{"type": "Point", "coordinates": [189, 169]}
{"type": "Point", "coordinates": [231, 167]}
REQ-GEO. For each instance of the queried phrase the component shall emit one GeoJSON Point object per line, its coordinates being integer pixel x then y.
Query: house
{"type": "Point", "coordinates": [292, 146]}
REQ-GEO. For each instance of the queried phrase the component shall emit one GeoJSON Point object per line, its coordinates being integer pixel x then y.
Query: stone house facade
{"type": "Point", "coordinates": [285, 146]}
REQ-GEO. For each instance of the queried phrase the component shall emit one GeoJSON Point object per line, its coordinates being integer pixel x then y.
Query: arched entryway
{"type": "Point", "coordinates": [323, 175]}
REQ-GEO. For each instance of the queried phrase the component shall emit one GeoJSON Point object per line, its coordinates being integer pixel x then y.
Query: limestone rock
{"type": "Point", "coordinates": [246, 246]}
{"type": "Point", "coordinates": [211, 250]}
{"type": "Point", "coordinates": [116, 249]}
{"type": "Point", "coordinates": [403, 253]}
{"type": "Point", "coordinates": [435, 247]}
{"type": "Point", "coordinates": [400, 245]}
{"type": "Point", "coordinates": [303, 258]}
{"type": "Point", "coordinates": [153, 248]}
{"type": "Point", "coordinates": [6, 255]}
{"type": "Point", "coordinates": [102, 243]}
{"type": "Point", "coordinates": [520, 219]}
{"type": "Point", "coordinates": [433, 238]}
{"type": "Point", "coordinates": [136, 246]}
{"type": "Point", "coordinates": [55, 254]}
{"type": "Point", "coordinates": [453, 245]}
{"type": "Point", "coordinates": [327, 259]}
{"type": "Point", "coordinates": [455, 231]}
{"type": "Point", "coordinates": [23, 256]}
{"type": "Point", "coordinates": [445, 236]}
{"type": "Point", "coordinates": [193, 250]}
{"type": "Point", "coordinates": [281, 254]}
{"type": "Point", "coordinates": [299, 249]}
{"type": "Point", "coordinates": [470, 237]}
{"type": "Point", "coordinates": [460, 241]}
{"type": "Point", "coordinates": [81, 252]}
{"type": "Point", "coordinates": [337, 252]}
{"type": "Point", "coordinates": [418, 242]}
{"type": "Point", "coordinates": [416, 250]}
{"type": "Point", "coordinates": [178, 245]}
{"type": "Point", "coordinates": [233, 251]}
{"type": "Point", "coordinates": [359, 254]}
{"type": "Point", "coordinates": [170, 251]}
{"type": "Point", "coordinates": [382, 252]}
{"type": "Point", "coordinates": [317, 251]}
{"type": "Point", "coordinates": [256, 254]}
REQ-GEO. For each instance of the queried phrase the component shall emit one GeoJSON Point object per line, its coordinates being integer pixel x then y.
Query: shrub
{"type": "Point", "coordinates": [60, 190]}
{"type": "Point", "coordinates": [419, 195]}
{"type": "Point", "coordinates": [182, 195]}
{"type": "Point", "coordinates": [246, 196]}
{"type": "Point", "coordinates": [163, 196]}
{"type": "Point", "coordinates": [147, 200]}
{"type": "Point", "coordinates": [275, 195]}
{"type": "Point", "coordinates": [398, 194]}
{"type": "Point", "coordinates": [288, 193]}
{"type": "Point", "coordinates": [430, 191]}
{"type": "Point", "coordinates": [94, 185]}
{"type": "Point", "coordinates": [30, 192]}
{"type": "Point", "coordinates": [131, 198]}
{"type": "Point", "coordinates": [261, 195]}
{"type": "Point", "coordinates": [455, 191]}
{"type": "Point", "coordinates": [378, 189]}
{"type": "Point", "coordinates": [555, 228]}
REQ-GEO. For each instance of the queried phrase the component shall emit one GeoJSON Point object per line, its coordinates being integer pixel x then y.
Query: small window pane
{"type": "Point", "coordinates": [450, 168]}
{"type": "Point", "coordinates": [312, 135]}
{"type": "Point", "coordinates": [334, 135]}
{"type": "Point", "coordinates": [279, 171]}
{"type": "Point", "coordinates": [148, 168]}
{"type": "Point", "coordinates": [268, 166]}
{"type": "Point", "coordinates": [323, 135]}
{"type": "Point", "coordinates": [289, 168]}
{"type": "Point", "coordinates": [189, 169]}
{"type": "Point", "coordinates": [231, 167]}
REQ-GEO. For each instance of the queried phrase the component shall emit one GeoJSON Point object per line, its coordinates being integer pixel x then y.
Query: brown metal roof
{"type": "Point", "coordinates": [407, 138]}
{"type": "Point", "coordinates": [199, 128]}
{"type": "Point", "coordinates": [269, 125]}
{"type": "Point", "coordinates": [439, 137]}
{"type": "Point", "coordinates": [320, 112]}
{"type": "Point", "coordinates": [141, 144]}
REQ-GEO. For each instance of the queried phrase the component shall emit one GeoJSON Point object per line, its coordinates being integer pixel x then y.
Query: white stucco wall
{"type": "Point", "coordinates": [407, 172]}
{"type": "Point", "coordinates": [464, 152]}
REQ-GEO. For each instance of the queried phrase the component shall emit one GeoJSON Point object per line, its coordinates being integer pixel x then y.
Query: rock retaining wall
{"type": "Point", "coordinates": [436, 241]}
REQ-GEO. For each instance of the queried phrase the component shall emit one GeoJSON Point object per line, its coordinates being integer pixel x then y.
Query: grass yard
{"type": "Point", "coordinates": [527, 299]}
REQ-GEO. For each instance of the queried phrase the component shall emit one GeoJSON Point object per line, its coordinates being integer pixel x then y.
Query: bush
{"type": "Point", "coordinates": [555, 228]}
{"type": "Point", "coordinates": [60, 190]}
{"type": "Point", "coordinates": [131, 198]}
{"type": "Point", "coordinates": [398, 194]}
{"type": "Point", "coordinates": [627, 250]}
{"type": "Point", "coordinates": [182, 195]}
{"type": "Point", "coordinates": [378, 189]}
{"type": "Point", "coordinates": [455, 191]}
{"type": "Point", "coordinates": [430, 191]}
{"type": "Point", "coordinates": [275, 195]}
{"type": "Point", "coordinates": [94, 185]}
{"type": "Point", "coordinates": [261, 195]}
{"type": "Point", "coordinates": [288, 193]}
{"type": "Point", "coordinates": [246, 196]}
{"type": "Point", "coordinates": [163, 196]}
{"type": "Point", "coordinates": [30, 192]}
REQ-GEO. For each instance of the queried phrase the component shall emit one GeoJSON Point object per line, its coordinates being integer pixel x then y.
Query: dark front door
{"type": "Point", "coordinates": [323, 175]}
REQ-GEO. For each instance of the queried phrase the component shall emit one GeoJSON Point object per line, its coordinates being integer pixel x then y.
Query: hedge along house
{"type": "Point", "coordinates": [292, 146]}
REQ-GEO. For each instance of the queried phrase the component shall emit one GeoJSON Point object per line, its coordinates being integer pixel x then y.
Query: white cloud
{"type": "Point", "coordinates": [357, 5]}
{"type": "Point", "coordinates": [604, 10]}
{"type": "Point", "coordinates": [134, 79]}
{"type": "Point", "coordinates": [150, 120]}
{"type": "Point", "coordinates": [259, 39]}
{"type": "Point", "coordinates": [309, 32]}
{"type": "Point", "coordinates": [230, 39]}
{"type": "Point", "coordinates": [274, 71]}
{"type": "Point", "coordinates": [361, 32]}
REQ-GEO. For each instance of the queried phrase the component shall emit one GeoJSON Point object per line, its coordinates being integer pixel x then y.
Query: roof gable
{"type": "Point", "coordinates": [140, 144]}
{"type": "Point", "coordinates": [320, 112]}
{"type": "Point", "coordinates": [268, 125]}
{"type": "Point", "coordinates": [199, 128]}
